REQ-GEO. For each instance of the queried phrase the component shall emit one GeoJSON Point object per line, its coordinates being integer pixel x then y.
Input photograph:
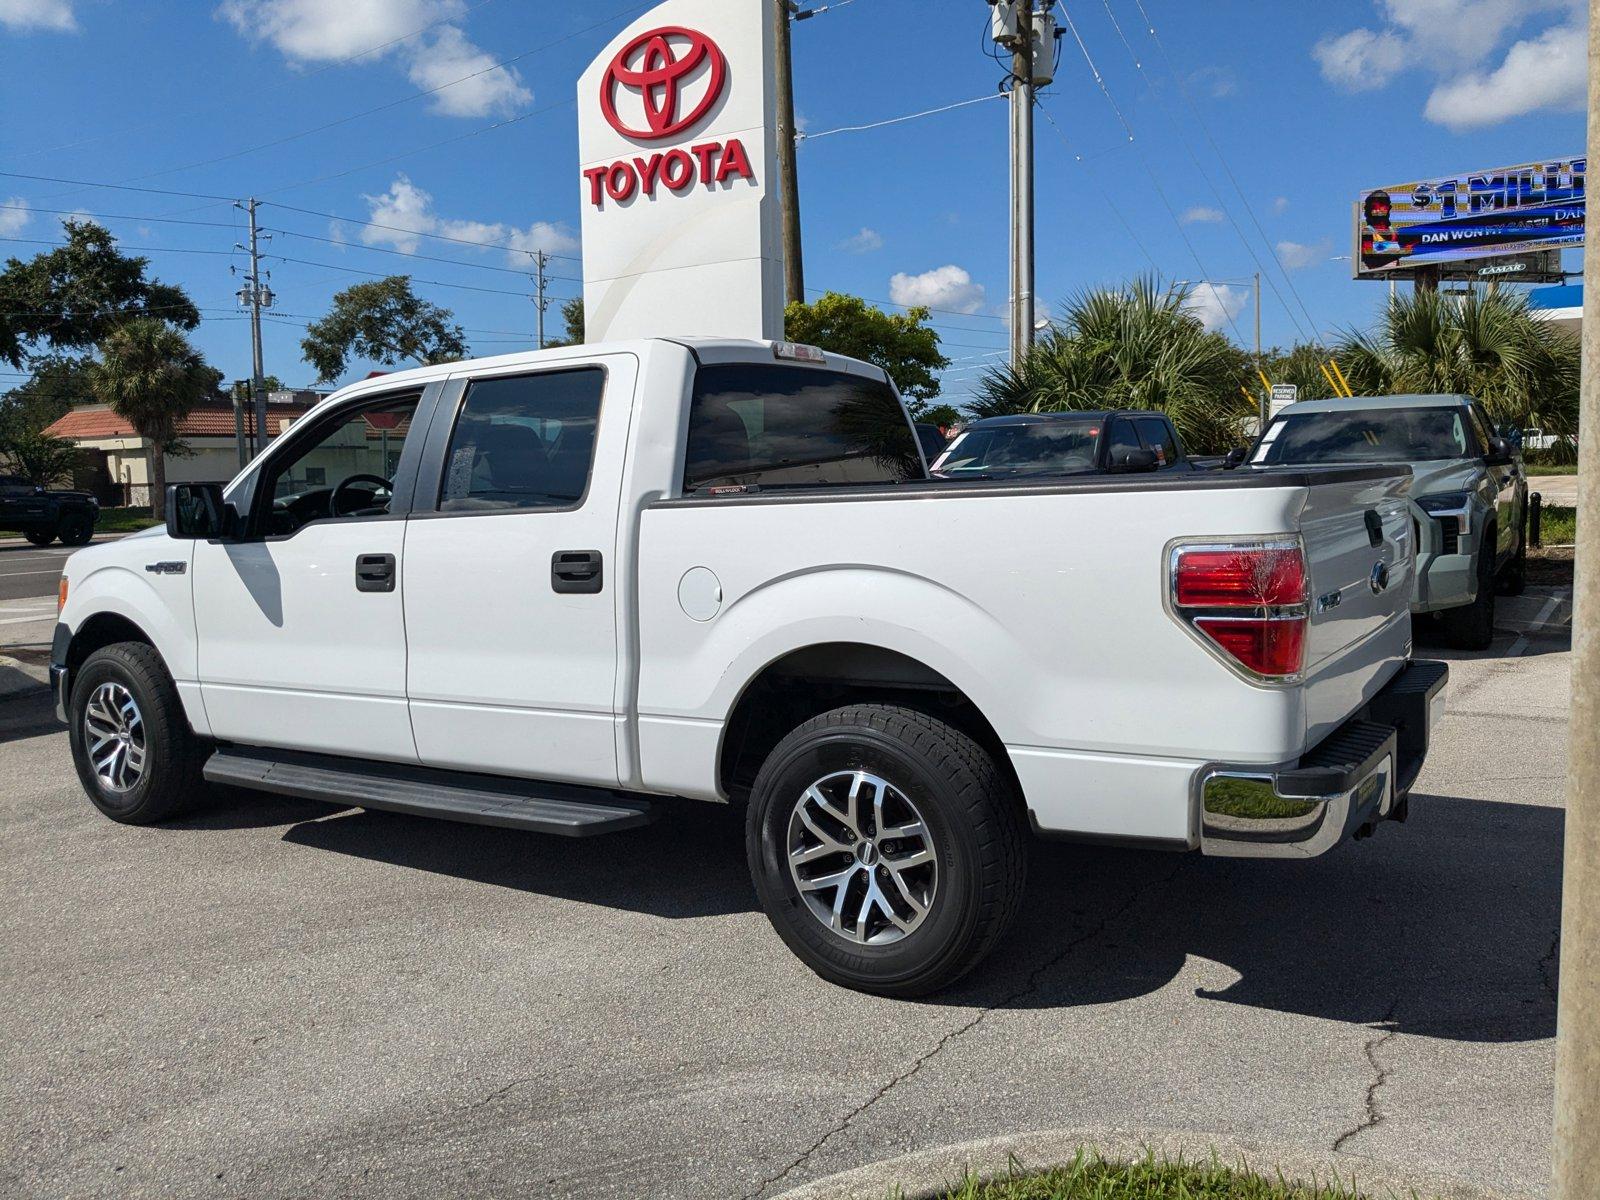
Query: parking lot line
{"type": "Point", "coordinates": [1545, 613]}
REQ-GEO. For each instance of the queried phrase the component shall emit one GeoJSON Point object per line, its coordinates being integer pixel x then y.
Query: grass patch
{"type": "Point", "coordinates": [1551, 468]}
{"type": "Point", "coordinates": [1558, 526]}
{"type": "Point", "coordinates": [1090, 1177]}
{"type": "Point", "coordinates": [124, 520]}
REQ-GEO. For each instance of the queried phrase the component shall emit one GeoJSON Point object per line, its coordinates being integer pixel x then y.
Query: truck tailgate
{"type": "Point", "coordinates": [1360, 555]}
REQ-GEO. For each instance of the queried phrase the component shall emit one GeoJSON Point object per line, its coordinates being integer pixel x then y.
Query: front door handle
{"type": "Point", "coordinates": [375, 573]}
{"type": "Point", "coordinates": [577, 572]}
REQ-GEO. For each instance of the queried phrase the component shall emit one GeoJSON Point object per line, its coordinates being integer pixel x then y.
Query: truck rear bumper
{"type": "Point", "coordinates": [1359, 774]}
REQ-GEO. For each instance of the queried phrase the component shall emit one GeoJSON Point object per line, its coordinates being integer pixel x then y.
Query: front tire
{"type": "Point", "coordinates": [77, 529]}
{"type": "Point", "coordinates": [1472, 626]}
{"type": "Point", "coordinates": [136, 756]}
{"type": "Point", "coordinates": [887, 849]}
{"type": "Point", "coordinates": [41, 537]}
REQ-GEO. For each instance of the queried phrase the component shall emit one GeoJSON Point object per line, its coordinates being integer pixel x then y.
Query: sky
{"type": "Point", "coordinates": [457, 118]}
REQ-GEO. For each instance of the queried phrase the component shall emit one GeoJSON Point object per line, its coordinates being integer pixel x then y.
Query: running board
{"type": "Point", "coordinates": [563, 809]}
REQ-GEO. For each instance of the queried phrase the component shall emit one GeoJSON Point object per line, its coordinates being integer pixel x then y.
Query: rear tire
{"type": "Point", "coordinates": [921, 825]}
{"type": "Point", "coordinates": [41, 537]}
{"type": "Point", "coordinates": [1472, 626]}
{"type": "Point", "coordinates": [136, 756]}
{"type": "Point", "coordinates": [77, 529]}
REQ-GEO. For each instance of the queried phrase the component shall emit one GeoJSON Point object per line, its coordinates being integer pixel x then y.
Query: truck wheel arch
{"type": "Point", "coordinates": [101, 630]}
{"type": "Point", "coordinates": [812, 680]}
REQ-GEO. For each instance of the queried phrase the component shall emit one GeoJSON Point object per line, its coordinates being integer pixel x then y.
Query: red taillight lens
{"type": "Point", "coordinates": [1275, 647]}
{"type": "Point", "coordinates": [1248, 600]}
{"type": "Point", "coordinates": [1248, 577]}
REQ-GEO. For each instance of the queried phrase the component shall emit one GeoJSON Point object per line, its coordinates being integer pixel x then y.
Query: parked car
{"type": "Point", "coordinates": [1469, 493]}
{"type": "Point", "coordinates": [596, 580]}
{"type": "Point", "coordinates": [1062, 443]}
{"type": "Point", "coordinates": [42, 515]}
{"type": "Point", "coordinates": [932, 440]}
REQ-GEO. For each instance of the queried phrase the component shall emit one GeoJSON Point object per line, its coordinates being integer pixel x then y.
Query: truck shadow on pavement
{"type": "Point", "coordinates": [1443, 927]}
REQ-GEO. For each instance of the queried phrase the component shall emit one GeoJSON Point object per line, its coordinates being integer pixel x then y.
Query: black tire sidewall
{"type": "Point", "coordinates": [155, 795]}
{"type": "Point", "coordinates": [40, 537]}
{"type": "Point", "coordinates": [949, 927]}
{"type": "Point", "coordinates": [77, 530]}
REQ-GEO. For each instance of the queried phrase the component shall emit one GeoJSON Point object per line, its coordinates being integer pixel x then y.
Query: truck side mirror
{"type": "Point", "coordinates": [1129, 461]}
{"type": "Point", "coordinates": [195, 510]}
{"type": "Point", "coordinates": [1499, 452]}
{"type": "Point", "coordinates": [1235, 458]}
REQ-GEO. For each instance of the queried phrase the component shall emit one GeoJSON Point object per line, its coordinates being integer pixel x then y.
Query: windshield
{"type": "Point", "coordinates": [1039, 448]}
{"type": "Point", "coordinates": [1366, 436]}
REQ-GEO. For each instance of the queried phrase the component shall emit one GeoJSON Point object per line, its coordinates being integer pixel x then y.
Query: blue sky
{"type": "Point", "coordinates": [319, 106]}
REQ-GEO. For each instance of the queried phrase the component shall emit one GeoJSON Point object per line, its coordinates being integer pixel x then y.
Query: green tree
{"type": "Point", "coordinates": [1302, 365]}
{"type": "Point", "coordinates": [40, 458]}
{"type": "Point", "coordinates": [382, 321]}
{"type": "Point", "coordinates": [1133, 347]}
{"type": "Point", "coordinates": [58, 383]}
{"type": "Point", "coordinates": [1488, 345]}
{"type": "Point", "coordinates": [901, 343]}
{"type": "Point", "coordinates": [572, 318]}
{"type": "Point", "coordinates": [73, 296]}
{"type": "Point", "coordinates": [152, 377]}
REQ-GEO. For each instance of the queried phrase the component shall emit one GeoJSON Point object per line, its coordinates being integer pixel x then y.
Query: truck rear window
{"type": "Point", "coordinates": [774, 425]}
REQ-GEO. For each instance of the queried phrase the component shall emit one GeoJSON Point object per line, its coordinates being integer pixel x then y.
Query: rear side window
{"type": "Point", "coordinates": [1158, 437]}
{"type": "Point", "coordinates": [524, 441]}
{"type": "Point", "coordinates": [1120, 438]}
{"type": "Point", "coordinates": [780, 426]}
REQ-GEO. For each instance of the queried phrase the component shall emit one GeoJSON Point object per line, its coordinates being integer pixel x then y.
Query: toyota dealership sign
{"type": "Point", "coordinates": [677, 137]}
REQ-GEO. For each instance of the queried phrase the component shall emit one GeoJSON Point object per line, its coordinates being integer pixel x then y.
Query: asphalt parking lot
{"type": "Point", "coordinates": [285, 999]}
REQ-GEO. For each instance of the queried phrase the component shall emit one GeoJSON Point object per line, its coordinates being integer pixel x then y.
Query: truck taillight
{"type": "Point", "coordinates": [1246, 601]}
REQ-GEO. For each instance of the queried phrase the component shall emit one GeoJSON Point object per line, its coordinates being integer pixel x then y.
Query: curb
{"type": "Point", "coordinates": [19, 679]}
{"type": "Point", "coordinates": [928, 1174]}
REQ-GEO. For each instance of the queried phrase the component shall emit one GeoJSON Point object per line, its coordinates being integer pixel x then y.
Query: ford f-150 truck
{"type": "Point", "coordinates": [563, 591]}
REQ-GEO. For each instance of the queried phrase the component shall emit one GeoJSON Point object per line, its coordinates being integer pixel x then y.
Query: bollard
{"type": "Point", "coordinates": [1535, 515]}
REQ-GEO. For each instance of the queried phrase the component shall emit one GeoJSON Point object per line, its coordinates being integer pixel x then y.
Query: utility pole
{"type": "Point", "coordinates": [1266, 398]}
{"type": "Point", "coordinates": [1577, 1118]}
{"type": "Point", "coordinates": [257, 296]}
{"type": "Point", "coordinates": [1022, 183]}
{"type": "Point", "coordinates": [540, 259]}
{"type": "Point", "coordinates": [794, 274]}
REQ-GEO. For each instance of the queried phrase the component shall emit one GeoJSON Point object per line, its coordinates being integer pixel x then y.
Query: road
{"type": "Point", "coordinates": [277, 998]}
{"type": "Point", "coordinates": [26, 570]}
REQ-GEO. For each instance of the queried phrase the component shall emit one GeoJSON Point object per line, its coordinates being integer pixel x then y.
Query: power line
{"type": "Point", "coordinates": [135, 249]}
{"type": "Point", "coordinates": [455, 262]}
{"type": "Point", "coordinates": [465, 287]}
{"type": "Point", "coordinates": [1116, 211]}
{"type": "Point", "coordinates": [438, 237]}
{"type": "Point", "coordinates": [120, 187]}
{"type": "Point", "coordinates": [895, 304]}
{"type": "Point", "coordinates": [811, 137]}
{"type": "Point", "coordinates": [1194, 110]}
{"type": "Point", "coordinates": [72, 212]}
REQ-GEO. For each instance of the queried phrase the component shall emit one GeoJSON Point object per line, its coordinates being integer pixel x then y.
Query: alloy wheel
{"type": "Point", "coordinates": [114, 734]}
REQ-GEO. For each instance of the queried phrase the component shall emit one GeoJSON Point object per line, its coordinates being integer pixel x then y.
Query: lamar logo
{"type": "Point", "coordinates": [672, 78]}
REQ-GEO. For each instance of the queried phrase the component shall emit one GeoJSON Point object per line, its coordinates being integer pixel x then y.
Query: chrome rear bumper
{"type": "Point", "coordinates": [1360, 774]}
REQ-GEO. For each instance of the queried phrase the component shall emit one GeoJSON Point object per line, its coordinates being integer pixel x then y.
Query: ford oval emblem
{"type": "Point", "coordinates": [1379, 580]}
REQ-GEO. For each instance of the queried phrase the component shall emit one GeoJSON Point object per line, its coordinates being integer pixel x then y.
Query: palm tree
{"type": "Point", "coordinates": [1483, 344]}
{"type": "Point", "coordinates": [1132, 347]}
{"type": "Point", "coordinates": [151, 376]}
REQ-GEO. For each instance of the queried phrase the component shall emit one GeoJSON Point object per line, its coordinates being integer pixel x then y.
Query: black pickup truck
{"type": "Point", "coordinates": [42, 515]}
{"type": "Point", "coordinates": [1064, 443]}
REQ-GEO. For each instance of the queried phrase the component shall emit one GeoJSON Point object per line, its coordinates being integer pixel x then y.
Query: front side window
{"type": "Point", "coordinates": [341, 468]}
{"type": "Point", "coordinates": [1158, 437]}
{"type": "Point", "coordinates": [771, 425]}
{"type": "Point", "coordinates": [1377, 435]}
{"type": "Point", "coordinates": [524, 441]}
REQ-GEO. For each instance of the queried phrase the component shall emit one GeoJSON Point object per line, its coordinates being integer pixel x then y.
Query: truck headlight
{"type": "Point", "coordinates": [1450, 509]}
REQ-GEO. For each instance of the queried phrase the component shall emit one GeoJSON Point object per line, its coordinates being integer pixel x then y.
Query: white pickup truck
{"type": "Point", "coordinates": [563, 591]}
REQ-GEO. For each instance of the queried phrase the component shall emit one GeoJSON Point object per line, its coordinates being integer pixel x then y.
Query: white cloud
{"type": "Point", "coordinates": [410, 213]}
{"type": "Point", "coordinates": [14, 216]}
{"type": "Point", "coordinates": [318, 31]}
{"type": "Point", "coordinates": [1200, 215]}
{"type": "Point", "coordinates": [1361, 60]}
{"type": "Point", "coordinates": [864, 242]}
{"type": "Point", "coordinates": [484, 89]}
{"type": "Point", "coordinates": [1280, 205]}
{"type": "Point", "coordinates": [1217, 82]}
{"type": "Point", "coordinates": [53, 15]}
{"type": "Point", "coordinates": [1454, 40]}
{"type": "Point", "coordinates": [1215, 304]}
{"type": "Point", "coordinates": [1297, 255]}
{"type": "Point", "coordinates": [948, 287]}
{"type": "Point", "coordinates": [1551, 71]}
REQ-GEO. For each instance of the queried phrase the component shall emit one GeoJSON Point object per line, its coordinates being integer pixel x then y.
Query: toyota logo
{"type": "Point", "coordinates": [657, 67]}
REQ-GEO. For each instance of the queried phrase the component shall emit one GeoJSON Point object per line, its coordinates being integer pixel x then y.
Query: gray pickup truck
{"type": "Point", "coordinates": [1469, 493]}
{"type": "Point", "coordinates": [42, 515]}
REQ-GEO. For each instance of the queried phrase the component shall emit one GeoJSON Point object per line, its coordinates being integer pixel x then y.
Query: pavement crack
{"type": "Point", "coordinates": [1380, 1076]}
{"type": "Point", "coordinates": [1028, 987]}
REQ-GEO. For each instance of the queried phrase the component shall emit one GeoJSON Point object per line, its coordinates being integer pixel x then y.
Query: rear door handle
{"type": "Point", "coordinates": [375, 573]}
{"type": "Point", "coordinates": [577, 572]}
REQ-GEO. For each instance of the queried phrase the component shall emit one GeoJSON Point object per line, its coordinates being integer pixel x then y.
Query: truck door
{"type": "Point", "coordinates": [512, 575]}
{"type": "Point", "coordinates": [301, 637]}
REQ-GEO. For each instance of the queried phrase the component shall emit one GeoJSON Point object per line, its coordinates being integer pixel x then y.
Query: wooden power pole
{"type": "Point", "coordinates": [794, 275]}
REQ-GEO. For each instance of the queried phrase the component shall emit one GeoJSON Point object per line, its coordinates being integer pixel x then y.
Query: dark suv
{"type": "Point", "coordinates": [42, 515]}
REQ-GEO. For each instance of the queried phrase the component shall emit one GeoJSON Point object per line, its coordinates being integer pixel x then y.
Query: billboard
{"type": "Point", "coordinates": [1482, 214]}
